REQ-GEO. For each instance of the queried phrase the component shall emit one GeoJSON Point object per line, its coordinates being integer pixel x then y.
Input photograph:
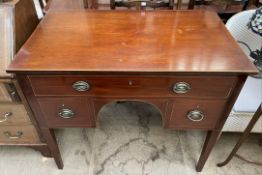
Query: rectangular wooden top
{"type": "Point", "coordinates": [131, 41]}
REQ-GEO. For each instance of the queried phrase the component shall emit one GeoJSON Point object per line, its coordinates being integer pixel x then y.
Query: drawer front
{"type": "Point", "coordinates": [18, 134]}
{"type": "Point", "coordinates": [4, 95]}
{"type": "Point", "coordinates": [67, 112]}
{"type": "Point", "coordinates": [11, 113]}
{"type": "Point", "coordinates": [196, 114]}
{"type": "Point", "coordinates": [131, 86]}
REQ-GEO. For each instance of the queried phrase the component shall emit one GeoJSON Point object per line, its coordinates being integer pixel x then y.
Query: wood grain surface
{"type": "Point", "coordinates": [29, 134]}
{"type": "Point", "coordinates": [132, 41]}
{"type": "Point", "coordinates": [131, 56]}
{"type": "Point", "coordinates": [133, 86]}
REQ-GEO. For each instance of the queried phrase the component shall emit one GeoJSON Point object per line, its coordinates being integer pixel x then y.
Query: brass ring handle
{"type": "Point", "coordinates": [6, 116]}
{"type": "Point", "coordinates": [195, 116]}
{"type": "Point", "coordinates": [18, 135]}
{"type": "Point", "coordinates": [66, 113]}
{"type": "Point", "coordinates": [181, 88]}
{"type": "Point", "coordinates": [81, 86]}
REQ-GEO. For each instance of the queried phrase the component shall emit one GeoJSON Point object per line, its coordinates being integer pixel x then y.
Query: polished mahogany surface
{"type": "Point", "coordinates": [184, 63]}
{"type": "Point", "coordinates": [132, 41]}
{"type": "Point", "coordinates": [133, 86]}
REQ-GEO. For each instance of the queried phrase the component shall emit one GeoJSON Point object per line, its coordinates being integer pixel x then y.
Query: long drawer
{"type": "Point", "coordinates": [196, 114]}
{"type": "Point", "coordinates": [13, 114]}
{"type": "Point", "coordinates": [18, 134]}
{"type": "Point", "coordinates": [132, 86]}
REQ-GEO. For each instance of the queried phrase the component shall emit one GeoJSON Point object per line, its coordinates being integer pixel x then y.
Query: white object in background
{"type": "Point", "coordinates": [39, 11]}
{"type": "Point", "coordinates": [251, 94]}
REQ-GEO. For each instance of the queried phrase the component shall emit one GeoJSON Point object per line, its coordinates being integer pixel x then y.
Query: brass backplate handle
{"type": "Point", "coordinates": [181, 87]}
{"type": "Point", "coordinates": [66, 113]}
{"type": "Point", "coordinates": [81, 86]}
{"type": "Point", "coordinates": [6, 116]}
{"type": "Point", "coordinates": [18, 135]}
{"type": "Point", "coordinates": [195, 115]}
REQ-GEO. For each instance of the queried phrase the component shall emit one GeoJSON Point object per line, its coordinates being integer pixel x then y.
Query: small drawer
{"type": "Point", "coordinates": [18, 134]}
{"type": "Point", "coordinates": [4, 94]}
{"type": "Point", "coordinates": [13, 114]}
{"type": "Point", "coordinates": [132, 86]}
{"type": "Point", "coordinates": [8, 92]}
{"type": "Point", "coordinates": [67, 112]}
{"type": "Point", "coordinates": [196, 114]}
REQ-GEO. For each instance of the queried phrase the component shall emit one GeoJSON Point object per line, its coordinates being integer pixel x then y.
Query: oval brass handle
{"type": "Point", "coordinates": [195, 116]}
{"type": "Point", "coordinates": [181, 87]}
{"type": "Point", "coordinates": [81, 86]}
{"type": "Point", "coordinates": [18, 135]}
{"type": "Point", "coordinates": [6, 116]}
{"type": "Point", "coordinates": [66, 113]}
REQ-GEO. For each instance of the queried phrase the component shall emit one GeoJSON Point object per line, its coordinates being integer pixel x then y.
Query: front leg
{"type": "Point", "coordinates": [53, 146]}
{"type": "Point", "coordinates": [211, 139]}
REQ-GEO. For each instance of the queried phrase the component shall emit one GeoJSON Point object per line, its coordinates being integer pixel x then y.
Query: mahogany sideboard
{"type": "Point", "coordinates": [185, 63]}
